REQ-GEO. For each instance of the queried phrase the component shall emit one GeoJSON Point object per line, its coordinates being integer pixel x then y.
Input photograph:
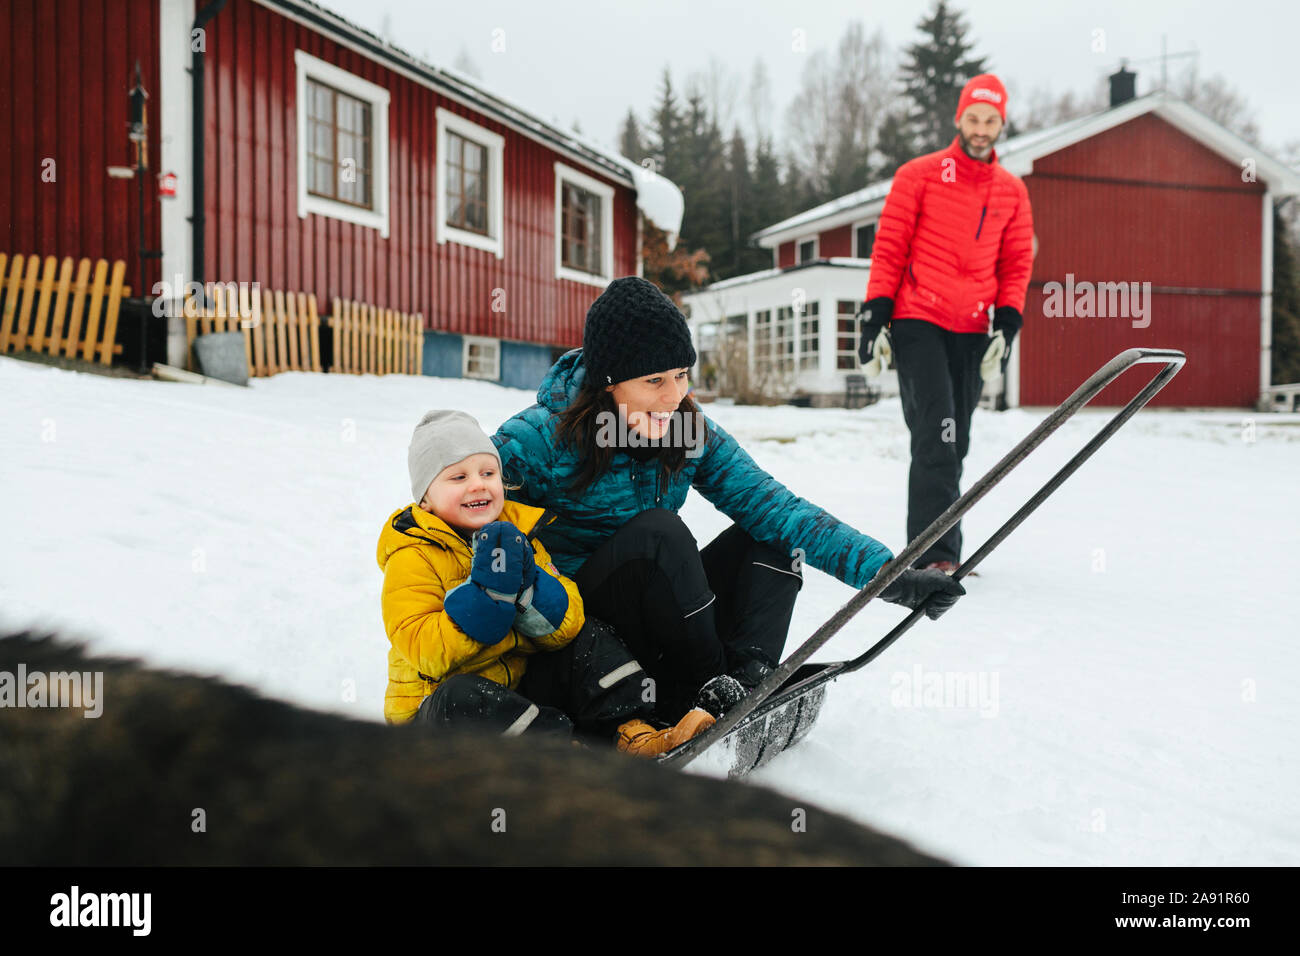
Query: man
{"type": "Point", "coordinates": [955, 238]}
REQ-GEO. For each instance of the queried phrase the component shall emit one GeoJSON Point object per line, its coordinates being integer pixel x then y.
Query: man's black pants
{"type": "Point", "coordinates": [688, 615]}
{"type": "Point", "coordinates": [939, 382]}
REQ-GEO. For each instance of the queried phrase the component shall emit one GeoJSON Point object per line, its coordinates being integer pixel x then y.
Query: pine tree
{"type": "Point", "coordinates": [743, 219]}
{"type": "Point", "coordinates": [771, 196]}
{"type": "Point", "coordinates": [895, 144]}
{"type": "Point", "coordinates": [629, 139]}
{"type": "Point", "coordinates": [700, 162]}
{"type": "Point", "coordinates": [665, 129]}
{"type": "Point", "coordinates": [934, 73]}
{"type": "Point", "coordinates": [674, 269]}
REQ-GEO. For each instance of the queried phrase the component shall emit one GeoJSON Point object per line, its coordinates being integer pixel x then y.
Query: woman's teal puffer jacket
{"type": "Point", "coordinates": [533, 457]}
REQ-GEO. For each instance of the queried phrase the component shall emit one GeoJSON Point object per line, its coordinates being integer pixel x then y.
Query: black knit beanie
{"type": "Point", "coordinates": [633, 329]}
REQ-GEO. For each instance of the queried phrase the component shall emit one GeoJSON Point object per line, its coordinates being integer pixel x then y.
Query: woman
{"type": "Point", "coordinates": [610, 450]}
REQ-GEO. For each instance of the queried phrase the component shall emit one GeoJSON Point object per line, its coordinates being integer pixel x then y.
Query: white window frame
{"type": "Point", "coordinates": [570, 175]}
{"type": "Point", "coordinates": [808, 345]}
{"type": "Point", "coordinates": [784, 331]}
{"type": "Point", "coordinates": [816, 240]}
{"type": "Point", "coordinates": [469, 340]}
{"type": "Point", "coordinates": [494, 241]}
{"type": "Point", "coordinates": [853, 332]}
{"type": "Point", "coordinates": [853, 235]}
{"type": "Point", "coordinates": [306, 65]}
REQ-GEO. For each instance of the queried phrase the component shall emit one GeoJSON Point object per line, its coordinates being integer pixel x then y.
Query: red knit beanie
{"type": "Point", "coordinates": [985, 88]}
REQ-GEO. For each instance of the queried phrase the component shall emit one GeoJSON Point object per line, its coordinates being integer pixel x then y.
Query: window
{"type": "Point", "coordinates": [584, 227]}
{"type": "Point", "coordinates": [783, 341]}
{"type": "Point", "coordinates": [467, 166]}
{"type": "Point", "coordinates": [481, 358]}
{"type": "Point", "coordinates": [342, 144]}
{"type": "Point", "coordinates": [807, 251]}
{"type": "Point", "coordinates": [846, 334]}
{"type": "Point", "coordinates": [864, 237]}
{"type": "Point", "coordinates": [580, 231]}
{"type": "Point", "coordinates": [470, 184]}
{"type": "Point", "coordinates": [809, 342]}
{"type": "Point", "coordinates": [339, 164]}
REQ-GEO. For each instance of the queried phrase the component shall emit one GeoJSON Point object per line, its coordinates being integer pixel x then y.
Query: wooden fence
{"type": "Point", "coordinates": [373, 341]}
{"type": "Point", "coordinates": [281, 330]}
{"type": "Point", "coordinates": [60, 315]}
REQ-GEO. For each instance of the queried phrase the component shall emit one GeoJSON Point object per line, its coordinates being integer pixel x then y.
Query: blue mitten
{"type": "Point", "coordinates": [500, 553]}
{"type": "Point", "coordinates": [478, 615]}
{"type": "Point", "coordinates": [542, 607]}
{"type": "Point", "coordinates": [484, 606]}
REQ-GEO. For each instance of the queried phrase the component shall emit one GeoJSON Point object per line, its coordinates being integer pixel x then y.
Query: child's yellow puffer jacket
{"type": "Point", "coordinates": [422, 559]}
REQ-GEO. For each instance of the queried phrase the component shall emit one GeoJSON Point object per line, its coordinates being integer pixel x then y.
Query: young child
{"type": "Point", "coordinates": [484, 630]}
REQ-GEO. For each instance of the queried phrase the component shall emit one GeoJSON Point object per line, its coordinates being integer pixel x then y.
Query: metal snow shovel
{"type": "Point", "coordinates": [782, 709]}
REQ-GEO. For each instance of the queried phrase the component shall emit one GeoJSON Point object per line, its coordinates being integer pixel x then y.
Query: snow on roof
{"type": "Point", "coordinates": [837, 261]}
{"type": "Point", "coordinates": [1018, 153]}
{"type": "Point", "coordinates": [658, 198]}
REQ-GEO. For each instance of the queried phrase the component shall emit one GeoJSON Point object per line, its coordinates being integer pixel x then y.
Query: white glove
{"type": "Point", "coordinates": [882, 355]}
{"type": "Point", "coordinates": [991, 364]}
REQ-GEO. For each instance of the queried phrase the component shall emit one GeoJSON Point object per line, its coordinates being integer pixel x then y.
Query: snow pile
{"type": "Point", "coordinates": [1118, 686]}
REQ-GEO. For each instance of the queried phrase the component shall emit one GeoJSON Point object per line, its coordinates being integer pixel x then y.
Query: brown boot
{"type": "Point", "coordinates": [638, 738]}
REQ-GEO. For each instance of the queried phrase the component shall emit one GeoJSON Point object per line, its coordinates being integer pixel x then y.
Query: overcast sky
{"type": "Point", "coordinates": [585, 60]}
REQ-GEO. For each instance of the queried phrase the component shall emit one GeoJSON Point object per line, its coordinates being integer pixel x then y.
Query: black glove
{"type": "Point", "coordinates": [873, 315]}
{"type": "Point", "coordinates": [913, 587]}
{"type": "Point", "coordinates": [1007, 321]}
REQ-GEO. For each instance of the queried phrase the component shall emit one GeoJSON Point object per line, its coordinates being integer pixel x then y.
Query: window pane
{"type": "Point", "coordinates": [347, 147]}
{"type": "Point", "coordinates": [323, 107]}
{"type": "Point", "coordinates": [474, 159]}
{"type": "Point", "coordinates": [473, 186]}
{"type": "Point", "coordinates": [595, 233]}
{"type": "Point", "coordinates": [476, 217]}
{"type": "Point", "coordinates": [865, 238]}
{"type": "Point", "coordinates": [455, 209]}
{"type": "Point", "coordinates": [324, 179]}
{"type": "Point", "coordinates": [323, 141]}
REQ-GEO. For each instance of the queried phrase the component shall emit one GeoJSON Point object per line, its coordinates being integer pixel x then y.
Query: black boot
{"type": "Point", "coordinates": [720, 694]}
{"type": "Point", "coordinates": [751, 672]}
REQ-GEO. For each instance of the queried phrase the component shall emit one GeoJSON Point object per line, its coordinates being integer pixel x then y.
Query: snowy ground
{"type": "Point", "coordinates": [1139, 697]}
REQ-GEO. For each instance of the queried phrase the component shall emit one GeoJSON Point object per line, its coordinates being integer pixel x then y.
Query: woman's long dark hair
{"type": "Point", "coordinates": [580, 426]}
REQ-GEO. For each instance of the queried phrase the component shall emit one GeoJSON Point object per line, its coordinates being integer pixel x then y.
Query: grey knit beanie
{"type": "Point", "coordinates": [443, 438]}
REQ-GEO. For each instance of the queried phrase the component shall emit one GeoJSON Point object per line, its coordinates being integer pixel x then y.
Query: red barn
{"type": "Point", "coordinates": [326, 161]}
{"type": "Point", "coordinates": [1154, 228]}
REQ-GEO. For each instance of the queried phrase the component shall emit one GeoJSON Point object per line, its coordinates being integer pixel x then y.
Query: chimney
{"type": "Point", "coordinates": [1122, 85]}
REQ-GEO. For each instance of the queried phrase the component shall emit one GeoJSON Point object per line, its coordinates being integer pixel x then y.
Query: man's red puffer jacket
{"type": "Point", "coordinates": [955, 236]}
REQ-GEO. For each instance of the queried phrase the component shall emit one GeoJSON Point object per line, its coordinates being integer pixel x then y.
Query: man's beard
{"type": "Point", "coordinates": [973, 152]}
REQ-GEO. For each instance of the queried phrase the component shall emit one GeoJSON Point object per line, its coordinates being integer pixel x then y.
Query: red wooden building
{"type": "Point", "coordinates": [1154, 228]}
{"type": "Point", "coordinates": [327, 161]}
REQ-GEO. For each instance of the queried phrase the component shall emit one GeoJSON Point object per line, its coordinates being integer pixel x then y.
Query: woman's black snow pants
{"type": "Point", "coordinates": [688, 615]}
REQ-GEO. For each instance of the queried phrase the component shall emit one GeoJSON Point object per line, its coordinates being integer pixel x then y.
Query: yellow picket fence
{"type": "Point", "coordinates": [281, 329]}
{"type": "Point", "coordinates": [60, 314]}
{"type": "Point", "coordinates": [373, 341]}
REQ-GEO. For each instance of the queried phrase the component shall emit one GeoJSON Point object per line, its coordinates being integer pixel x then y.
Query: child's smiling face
{"type": "Point", "coordinates": [468, 494]}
